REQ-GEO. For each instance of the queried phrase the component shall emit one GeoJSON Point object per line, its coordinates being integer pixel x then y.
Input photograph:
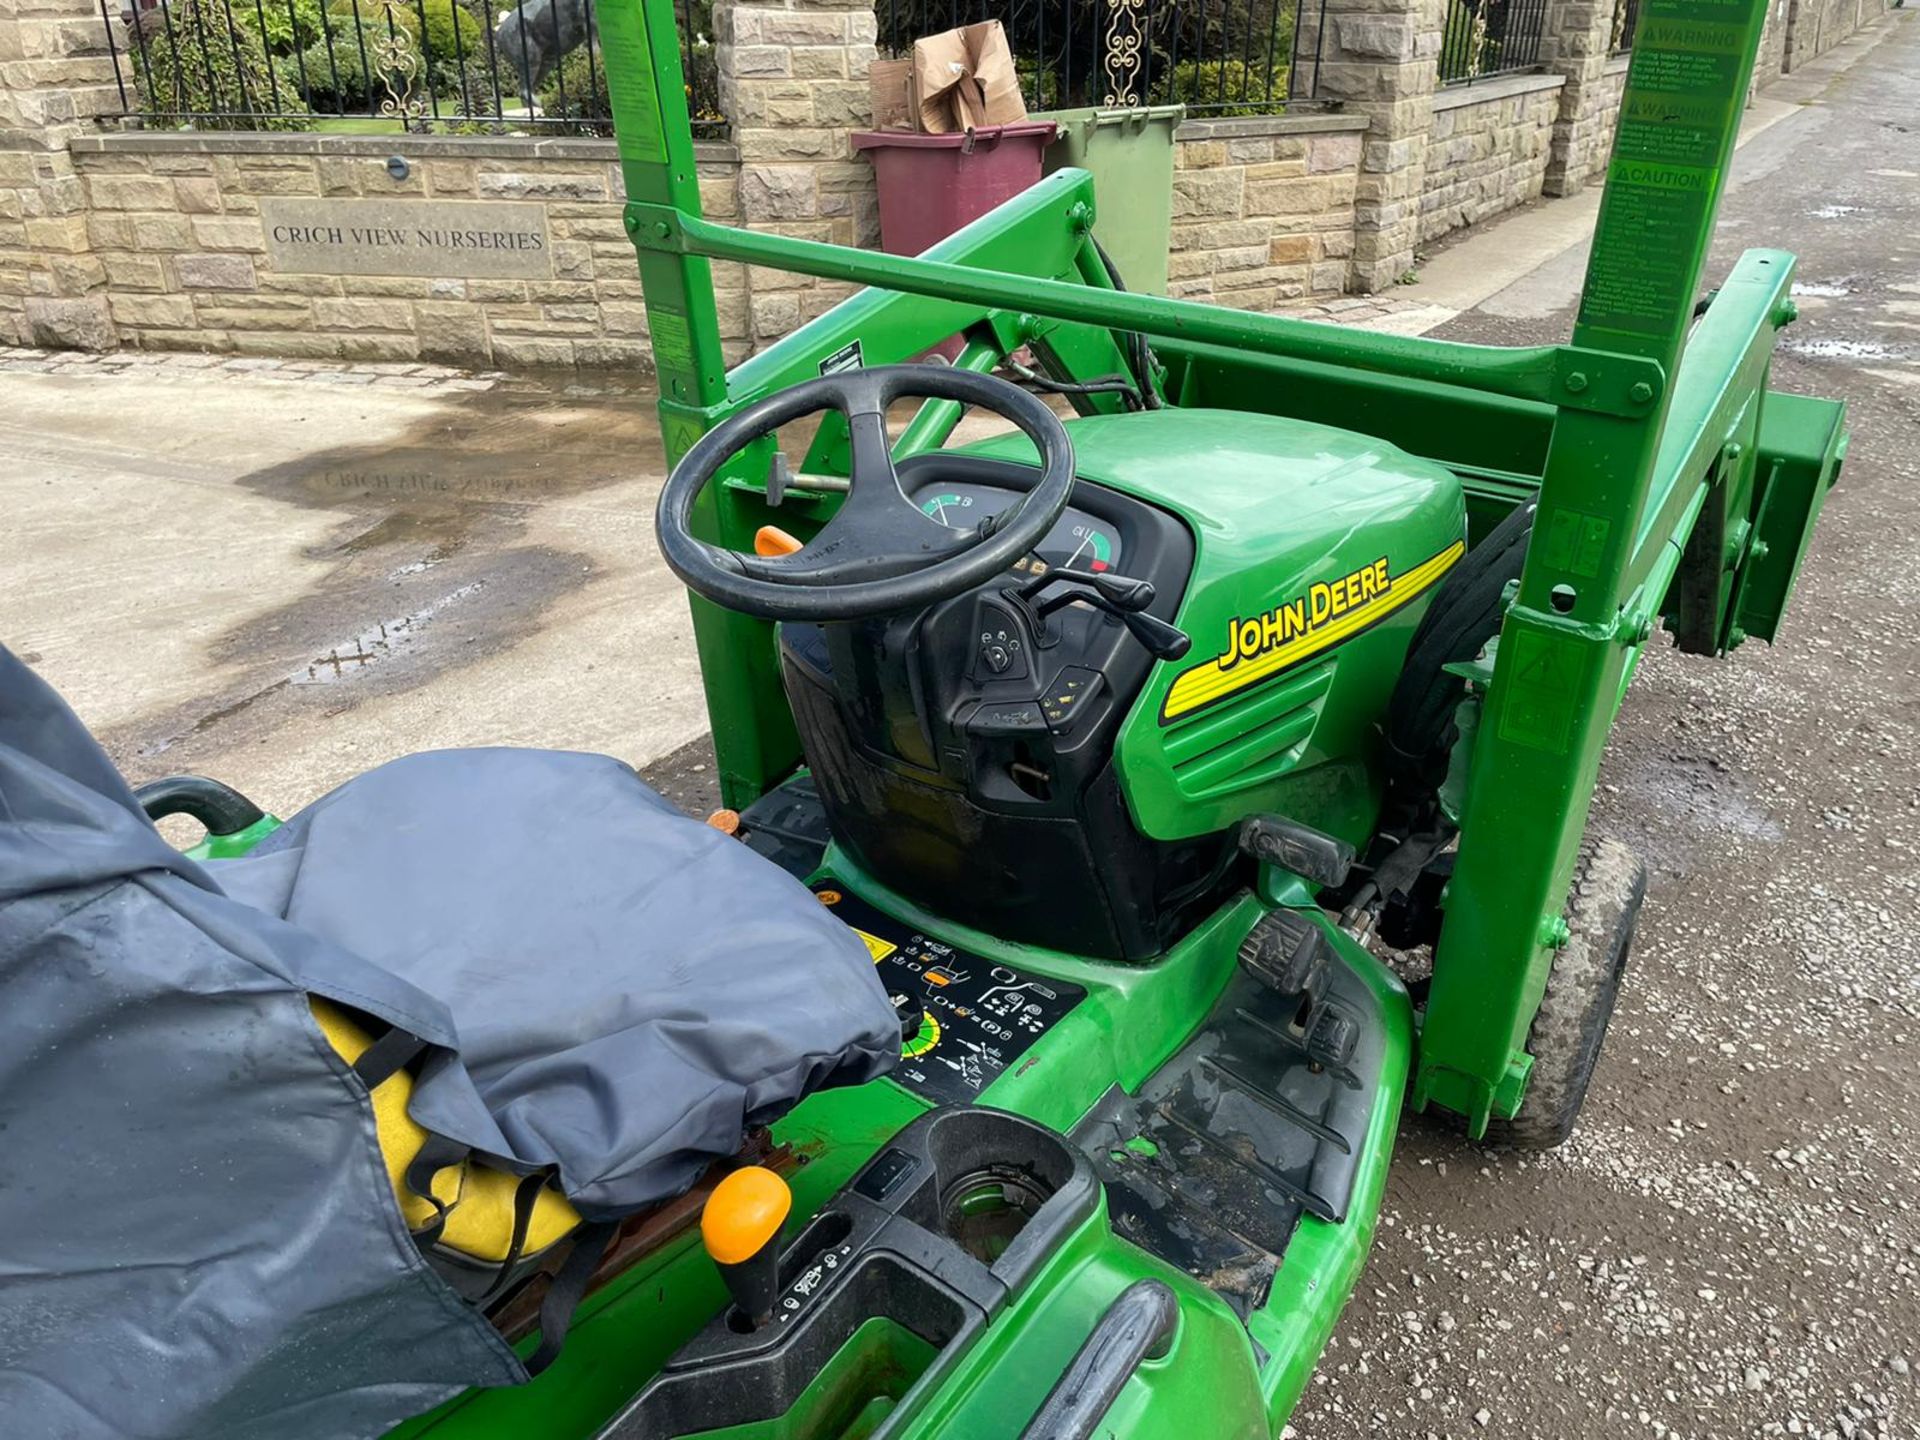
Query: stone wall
{"type": "Point", "coordinates": [1771, 62]}
{"type": "Point", "coordinates": [1816, 26]}
{"type": "Point", "coordinates": [173, 220]}
{"type": "Point", "coordinates": [55, 76]}
{"type": "Point", "coordinates": [1488, 150]}
{"type": "Point", "coordinates": [155, 240]}
{"type": "Point", "coordinates": [1263, 209]}
{"type": "Point", "coordinates": [793, 82]}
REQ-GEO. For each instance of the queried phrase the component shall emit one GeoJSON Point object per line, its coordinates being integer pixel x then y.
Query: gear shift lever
{"type": "Point", "coordinates": [740, 1226]}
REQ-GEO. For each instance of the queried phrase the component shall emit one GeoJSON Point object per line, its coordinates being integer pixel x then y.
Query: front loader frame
{"type": "Point", "coordinates": [1671, 485]}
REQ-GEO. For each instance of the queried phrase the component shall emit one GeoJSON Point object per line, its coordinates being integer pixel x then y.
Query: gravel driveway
{"type": "Point", "coordinates": [1729, 1245]}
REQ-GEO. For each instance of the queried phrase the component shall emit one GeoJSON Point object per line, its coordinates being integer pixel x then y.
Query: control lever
{"type": "Point", "coordinates": [1120, 596]}
{"type": "Point", "coordinates": [740, 1226]}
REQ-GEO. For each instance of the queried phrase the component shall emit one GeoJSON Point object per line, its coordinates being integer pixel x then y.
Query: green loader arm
{"type": "Point", "coordinates": [1671, 485]}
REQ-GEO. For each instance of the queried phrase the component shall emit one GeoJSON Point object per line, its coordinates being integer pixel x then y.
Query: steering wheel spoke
{"type": "Point", "coordinates": [879, 553]}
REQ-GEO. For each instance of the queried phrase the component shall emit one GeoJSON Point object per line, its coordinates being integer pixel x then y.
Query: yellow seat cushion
{"type": "Point", "coordinates": [478, 1197]}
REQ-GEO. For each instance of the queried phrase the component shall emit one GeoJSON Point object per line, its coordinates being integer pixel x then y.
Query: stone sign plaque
{"type": "Point", "coordinates": [453, 238]}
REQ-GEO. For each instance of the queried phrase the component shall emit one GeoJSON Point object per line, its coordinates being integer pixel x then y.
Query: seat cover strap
{"type": "Point", "coordinates": [569, 1285]}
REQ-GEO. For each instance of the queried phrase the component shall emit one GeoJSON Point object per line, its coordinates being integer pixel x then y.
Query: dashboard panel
{"type": "Point", "coordinates": [1078, 540]}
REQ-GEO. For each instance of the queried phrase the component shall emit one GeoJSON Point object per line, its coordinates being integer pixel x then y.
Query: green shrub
{"type": "Point", "coordinates": [286, 26]}
{"type": "Point", "coordinates": [1241, 88]}
{"type": "Point", "coordinates": [337, 77]}
{"type": "Point", "coordinates": [582, 77]}
{"type": "Point", "coordinates": [214, 72]}
{"type": "Point", "coordinates": [445, 20]}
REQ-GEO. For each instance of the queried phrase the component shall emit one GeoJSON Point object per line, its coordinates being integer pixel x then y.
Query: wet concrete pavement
{"type": "Point", "coordinates": [281, 581]}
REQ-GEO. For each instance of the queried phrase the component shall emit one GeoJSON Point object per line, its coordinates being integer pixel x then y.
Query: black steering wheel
{"type": "Point", "coordinates": [879, 553]}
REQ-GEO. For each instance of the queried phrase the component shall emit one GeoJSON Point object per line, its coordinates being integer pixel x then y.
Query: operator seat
{"type": "Point", "coordinates": [276, 1127]}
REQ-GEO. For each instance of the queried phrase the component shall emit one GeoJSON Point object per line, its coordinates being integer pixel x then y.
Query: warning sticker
{"type": "Point", "coordinates": [876, 947]}
{"type": "Point", "coordinates": [1543, 690]}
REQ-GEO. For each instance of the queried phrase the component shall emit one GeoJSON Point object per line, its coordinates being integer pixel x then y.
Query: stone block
{"type": "Point", "coordinates": [197, 194]}
{"type": "Point", "coordinates": [450, 177]}
{"type": "Point", "coordinates": [173, 312]}
{"type": "Point", "coordinates": [299, 284]}
{"type": "Point", "coordinates": [182, 164]}
{"type": "Point", "coordinates": [357, 314]}
{"type": "Point", "coordinates": [623, 319]}
{"type": "Point", "coordinates": [1287, 197]}
{"type": "Point", "coordinates": [130, 192]}
{"type": "Point", "coordinates": [457, 333]}
{"type": "Point", "coordinates": [803, 27]}
{"type": "Point", "coordinates": [849, 105]}
{"type": "Point", "coordinates": [525, 350]}
{"type": "Point", "coordinates": [221, 232]}
{"type": "Point", "coordinates": [777, 192]}
{"type": "Point", "coordinates": [82, 323]}
{"type": "Point", "coordinates": [818, 62]}
{"type": "Point", "coordinates": [797, 144]}
{"type": "Point", "coordinates": [543, 185]}
{"type": "Point", "coordinates": [108, 232]}
{"type": "Point", "coordinates": [572, 260]}
{"type": "Point", "coordinates": [760, 62]}
{"type": "Point", "coordinates": [775, 315]}
{"type": "Point", "coordinates": [1239, 257]}
{"type": "Point", "coordinates": [214, 272]}
{"type": "Point", "coordinates": [134, 272]}
{"type": "Point", "coordinates": [379, 347]}
{"type": "Point", "coordinates": [636, 354]}
{"type": "Point", "coordinates": [287, 345]}
{"type": "Point", "coordinates": [405, 287]}
{"type": "Point", "coordinates": [75, 275]}
{"type": "Point", "coordinates": [1326, 153]}
{"type": "Point", "coordinates": [63, 233]}
{"type": "Point", "coordinates": [1208, 193]}
{"type": "Point", "coordinates": [1290, 249]}
{"type": "Point", "coordinates": [275, 182]}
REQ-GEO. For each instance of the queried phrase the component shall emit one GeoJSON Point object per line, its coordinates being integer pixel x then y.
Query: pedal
{"type": "Point", "coordinates": [1307, 852]}
{"type": "Point", "coordinates": [1284, 952]}
{"type": "Point", "coordinates": [1332, 1038]}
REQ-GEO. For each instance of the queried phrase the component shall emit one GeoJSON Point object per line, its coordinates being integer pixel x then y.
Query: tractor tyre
{"type": "Point", "coordinates": [1609, 882]}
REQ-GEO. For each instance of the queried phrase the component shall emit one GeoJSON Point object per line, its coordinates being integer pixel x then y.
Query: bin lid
{"type": "Point", "coordinates": [952, 139]}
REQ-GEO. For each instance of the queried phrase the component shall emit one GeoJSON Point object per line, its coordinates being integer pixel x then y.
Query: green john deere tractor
{"type": "Point", "coordinates": [1119, 739]}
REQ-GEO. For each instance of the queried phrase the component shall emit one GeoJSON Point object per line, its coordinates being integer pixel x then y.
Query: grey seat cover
{"type": "Point", "coordinates": [197, 1237]}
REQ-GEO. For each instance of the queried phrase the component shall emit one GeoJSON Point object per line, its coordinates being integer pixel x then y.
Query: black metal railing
{"type": "Point", "coordinates": [449, 66]}
{"type": "Point", "coordinates": [1626, 19]}
{"type": "Point", "coordinates": [1490, 37]}
{"type": "Point", "coordinates": [1217, 57]}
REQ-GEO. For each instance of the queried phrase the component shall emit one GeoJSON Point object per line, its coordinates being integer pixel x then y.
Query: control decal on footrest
{"type": "Point", "coordinates": [964, 1019]}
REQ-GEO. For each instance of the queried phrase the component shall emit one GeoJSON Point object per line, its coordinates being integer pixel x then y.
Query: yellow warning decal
{"type": "Point", "coordinates": [876, 947]}
{"type": "Point", "coordinates": [1258, 647]}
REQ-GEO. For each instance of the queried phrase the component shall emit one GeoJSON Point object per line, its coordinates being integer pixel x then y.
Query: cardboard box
{"type": "Point", "coordinates": [890, 81]}
{"type": "Point", "coordinates": [958, 80]}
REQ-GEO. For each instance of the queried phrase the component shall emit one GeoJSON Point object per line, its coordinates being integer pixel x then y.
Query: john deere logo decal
{"type": "Point", "coordinates": [1259, 647]}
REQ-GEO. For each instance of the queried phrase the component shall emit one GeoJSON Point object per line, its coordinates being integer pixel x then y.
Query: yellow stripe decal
{"type": "Point", "coordinates": [1260, 647]}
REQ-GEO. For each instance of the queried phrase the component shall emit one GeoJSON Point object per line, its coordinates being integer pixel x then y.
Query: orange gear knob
{"type": "Point", "coordinates": [740, 1226]}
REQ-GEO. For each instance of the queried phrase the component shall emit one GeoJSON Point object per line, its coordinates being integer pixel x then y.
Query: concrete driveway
{"type": "Point", "coordinates": [281, 576]}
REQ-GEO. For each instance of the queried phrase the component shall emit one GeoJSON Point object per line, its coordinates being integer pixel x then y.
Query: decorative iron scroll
{"type": "Point", "coordinates": [398, 65]}
{"type": "Point", "coordinates": [1123, 57]}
